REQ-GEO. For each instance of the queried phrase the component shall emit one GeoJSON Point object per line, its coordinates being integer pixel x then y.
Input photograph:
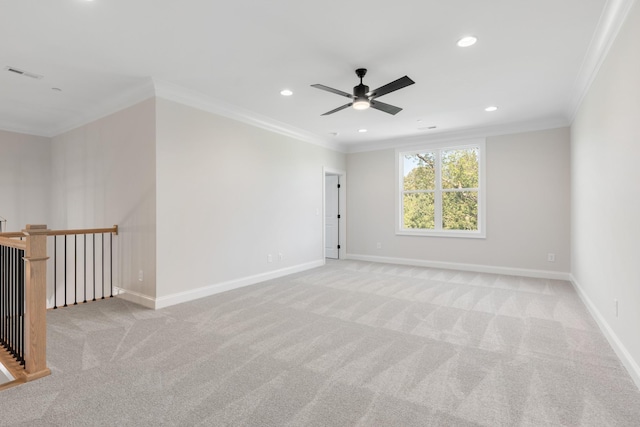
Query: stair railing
{"type": "Point", "coordinates": [82, 265]}
{"type": "Point", "coordinates": [23, 288]}
{"type": "Point", "coordinates": [23, 309]}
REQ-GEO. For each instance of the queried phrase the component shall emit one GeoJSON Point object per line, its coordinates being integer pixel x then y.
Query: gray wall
{"type": "Point", "coordinates": [605, 179]}
{"type": "Point", "coordinates": [229, 194]}
{"type": "Point", "coordinates": [527, 210]}
{"type": "Point", "coordinates": [103, 173]}
{"type": "Point", "coordinates": [25, 173]}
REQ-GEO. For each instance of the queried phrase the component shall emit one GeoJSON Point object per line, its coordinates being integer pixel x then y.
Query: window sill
{"type": "Point", "coordinates": [449, 233]}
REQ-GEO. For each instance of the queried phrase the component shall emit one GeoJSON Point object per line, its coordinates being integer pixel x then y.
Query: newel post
{"type": "Point", "coordinates": [35, 333]}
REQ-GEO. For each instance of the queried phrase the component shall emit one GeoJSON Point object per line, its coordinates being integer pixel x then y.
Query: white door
{"type": "Point", "coordinates": [331, 216]}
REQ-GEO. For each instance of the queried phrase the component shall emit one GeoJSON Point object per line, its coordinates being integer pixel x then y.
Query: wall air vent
{"type": "Point", "coordinates": [23, 73]}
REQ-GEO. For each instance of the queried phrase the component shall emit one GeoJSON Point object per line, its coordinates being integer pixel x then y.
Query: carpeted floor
{"type": "Point", "coordinates": [347, 344]}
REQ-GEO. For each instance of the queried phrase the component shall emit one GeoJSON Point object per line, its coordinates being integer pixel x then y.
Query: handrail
{"type": "Point", "coordinates": [11, 234]}
{"type": "Point", "coordinates": [113, 230]}
{"type": "Point", "coordinates": [12, 243]}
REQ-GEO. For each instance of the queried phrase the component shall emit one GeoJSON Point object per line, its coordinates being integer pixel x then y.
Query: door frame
{"type": "Point", "coordinates": [342, 222]}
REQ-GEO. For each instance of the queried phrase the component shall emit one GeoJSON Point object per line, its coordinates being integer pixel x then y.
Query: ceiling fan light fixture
{"type": "Point", "coordinates": [362, 98]}
{"type": "Point", "coordinates": [361, 104]}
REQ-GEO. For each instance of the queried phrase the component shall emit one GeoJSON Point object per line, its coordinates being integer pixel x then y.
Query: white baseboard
{"type": "Point", "coordinates": [617, 345]}
{"type": "Point", "coordinates": [135, 297]}
{"type": "Point", "coordinates": [541, 274]}
{"type": "Point", "coordinates": [205, 291]}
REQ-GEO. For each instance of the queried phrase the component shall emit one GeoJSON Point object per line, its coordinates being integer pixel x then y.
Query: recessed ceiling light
{"type": "Point", "coordinates": [57, 89]}
{"type": "Point", "coordinates": [286, 92]}
{"type": "Point", "coordinates": [491, 108]}
{"type": "Point", "coordinates": [362, 130]}
{"type": "Point", "coordinates": [467, 41]}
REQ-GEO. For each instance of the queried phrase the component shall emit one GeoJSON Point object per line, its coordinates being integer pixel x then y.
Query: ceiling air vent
{"type": "Point", "coordinates": [23, 73]}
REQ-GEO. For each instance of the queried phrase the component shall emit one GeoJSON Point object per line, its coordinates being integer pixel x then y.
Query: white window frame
{"type": "Point", "coordinates": [480, 233]}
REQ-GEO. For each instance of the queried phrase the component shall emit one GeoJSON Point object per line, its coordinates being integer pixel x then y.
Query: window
{"type": "Point", "coordinates": [441, 190]}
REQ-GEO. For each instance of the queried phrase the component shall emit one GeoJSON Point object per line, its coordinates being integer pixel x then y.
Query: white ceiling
{"type": "Point", "coordinates": [533, 59]}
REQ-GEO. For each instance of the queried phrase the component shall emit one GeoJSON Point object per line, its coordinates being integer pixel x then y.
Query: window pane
{"type": "Point", "coordinates": [460, 168]}
{"type": "Point", "coordinates": [419, 171]}
{"type": "Point", "coordinates": [460, 210]}
{"type": "Point", "coordinates": [419, 210]}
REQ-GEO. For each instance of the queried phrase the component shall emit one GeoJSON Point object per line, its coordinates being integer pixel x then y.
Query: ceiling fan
{"type": "Point", "coordinates": [363, 98]}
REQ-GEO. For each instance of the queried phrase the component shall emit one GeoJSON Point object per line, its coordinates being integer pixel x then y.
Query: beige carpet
{"type": "Point", "coordinates": [348, 344]}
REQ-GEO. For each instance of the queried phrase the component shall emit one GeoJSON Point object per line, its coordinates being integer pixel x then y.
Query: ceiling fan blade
{"type": "Point", "coordinates": [387, 108]}
{"type": "Point", "coordinates": [338, 109]}
{"type": "Point", "coordinates": [390, 87]}
{"type": "Point", "coordinates": [332, 90]}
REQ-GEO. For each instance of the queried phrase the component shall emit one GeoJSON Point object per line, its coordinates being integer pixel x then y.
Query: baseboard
{"type": "Point", "coordinates": [541, 274]}
{"type": "Point", "coordinates": [615, 342]}
{"type": "Point", "coordinates": [135, 297]}
{"type": "Point", "coordinates": [205, 291]}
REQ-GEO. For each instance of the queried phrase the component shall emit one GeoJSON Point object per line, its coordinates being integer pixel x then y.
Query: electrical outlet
{"type": "Point", "coordinates": [615, 307]}
{"type": "Point", "coordinates": [378, 245]}
{"type": "Point", "coordinates": [269, 258]}
{"type": "Point", "coordinates": [281, 256]}
{"type": "Point", "coordinates": [140, 275]}
{"type": "Point", "coordinates": [551, 257]}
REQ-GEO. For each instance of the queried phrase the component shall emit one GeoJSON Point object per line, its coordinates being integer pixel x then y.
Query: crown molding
{"type": "Point", "coordinates": [469, 133]}
{"type": "Point", "coordinates": [613, 16]}
{"type": "Point", "coordinates": [179, 94]}
{"type": "Point", "coordinates": [101, 108]}
{"type": "Point", "coordinates": [106, 107]}
{"type": "Point", "coordinates": [150, 88]}
{"type": "Point", "coordinates": [11, 127]}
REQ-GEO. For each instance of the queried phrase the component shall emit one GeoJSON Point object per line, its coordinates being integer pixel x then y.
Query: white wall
{"type": "Point", "coordinates": [103, 173]}
{"type": "Point", "coordinates": [228, 195]}
{"type": "Point", "coordinates": [605, 177]}
{"type": "Point", "coordinates": [25, 172]}
{"type": "Point", "coordinates": [527, 210]}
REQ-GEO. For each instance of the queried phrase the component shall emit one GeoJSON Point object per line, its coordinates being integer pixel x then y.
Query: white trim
{"type": "Point", "coordinates": [611, 20]}
{"type": "Point", "coordinates": [104, 108]}
{"type": "Point", "coordinates": [26, 130]}
{"type": "Point", "coordinates": [491, 269]}
{"type": "Point", "coordinates": [342, 200]}
{"type": "Point", "coordinates": [458, 234]}
{"type": "Point", "coordinates": [114, 104]}
{"type": "Point", "coordinates": [456, 135]}
{"type": "Point", "coordinates": [172, 92]}
{"type": "Point", "coordinates": [479, 143]}
{"type": "Point", "coordinates": [621, 351]}
{"type": "Point", "coordinates": [181, 95]}
{"type": "Point", "coordinates": [205, 291]}
{"type": "Point", "coordinates": [136, 297]}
